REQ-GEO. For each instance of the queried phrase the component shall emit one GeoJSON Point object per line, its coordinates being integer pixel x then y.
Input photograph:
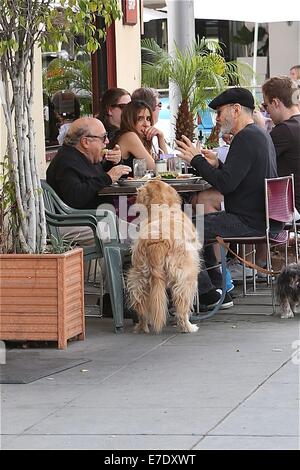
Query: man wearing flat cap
{"type": "Point", "coordinates": [241, 179]}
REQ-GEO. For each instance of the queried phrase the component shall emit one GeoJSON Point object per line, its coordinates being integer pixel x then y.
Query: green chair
{"type": "Point", "coordinates": [115, 253]}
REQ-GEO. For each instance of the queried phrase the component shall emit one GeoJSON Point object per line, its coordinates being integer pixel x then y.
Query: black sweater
{"type": "Point", "coordinates": [75, 179]}
{"type": "Point", "coordinates": [251, 159]}
{"type": "Point", "coordinates": [286, 138]}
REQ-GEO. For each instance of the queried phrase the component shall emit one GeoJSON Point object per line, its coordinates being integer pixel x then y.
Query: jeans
{"type": "Point", "coordinates": [224, 225]}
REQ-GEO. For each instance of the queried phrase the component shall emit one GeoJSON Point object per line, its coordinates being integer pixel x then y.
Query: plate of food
{"type": "Point", "coordinates": [133, 182]}
{"type": "Point", "coordinates": [178, 178]}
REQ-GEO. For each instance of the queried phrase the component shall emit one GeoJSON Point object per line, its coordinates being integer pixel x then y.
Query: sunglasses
{"type": "Point", "coordinates": [121, 106]}
{"type": "Point", "coordinates": [220, 110]}
{"type": "Point", "coordinates": [265, 106]}
{"type": "Point", "coordinates": [159, 105]}
{"type": "Point", "coordinates": [102, 138]}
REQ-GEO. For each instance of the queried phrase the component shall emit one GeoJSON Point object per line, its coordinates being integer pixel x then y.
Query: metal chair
{"type": "Point", "coordinates": [115, 253]}
{"type": "Point", "coordinates": [279, 206]}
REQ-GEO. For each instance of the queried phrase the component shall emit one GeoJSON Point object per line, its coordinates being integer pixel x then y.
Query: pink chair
{"type": "Point", "coordinates": [279, 206]}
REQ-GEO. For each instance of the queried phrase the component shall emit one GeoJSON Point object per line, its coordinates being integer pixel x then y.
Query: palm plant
{"type": "Point", "coordinates": [75, 75]}
{"type": "Point", "coordinates": [65, 74]}
{"type": "Point", "coordinates": [199, 74]}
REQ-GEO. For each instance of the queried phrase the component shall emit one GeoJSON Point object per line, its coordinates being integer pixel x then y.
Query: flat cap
{"type": "Point", "coordinates": [238, 95]}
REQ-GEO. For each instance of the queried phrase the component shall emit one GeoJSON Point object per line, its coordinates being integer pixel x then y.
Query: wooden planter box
{"type": "Point", "coordinates": [41, 297]}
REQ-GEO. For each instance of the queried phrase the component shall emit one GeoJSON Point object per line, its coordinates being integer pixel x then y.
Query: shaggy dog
{"type": "Point", "coordinates": [164, 256]}
{"type": "Point", "coordinates": [288, 290]}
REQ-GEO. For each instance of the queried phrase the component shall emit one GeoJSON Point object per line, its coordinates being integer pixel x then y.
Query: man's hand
{"type": "Point", "coordinates": [113, 155]}
{"type": "Point", "coordinates": [117, 171]}
{"type": "Point", "coordinates": [211, 157]}
{"type": "Point", "coordinates": [188, 149]}
{"type": "Point", "coordinates": [227, 138]}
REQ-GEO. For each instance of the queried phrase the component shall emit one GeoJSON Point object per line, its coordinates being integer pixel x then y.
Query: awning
{"type": "Point", "coordinates": [150, 14]}
{"type": "Point", "coordinates": [254, 11]}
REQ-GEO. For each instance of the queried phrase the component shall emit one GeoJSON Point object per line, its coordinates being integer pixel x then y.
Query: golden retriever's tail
{"type": "Point", "coordinates": [158, 305]}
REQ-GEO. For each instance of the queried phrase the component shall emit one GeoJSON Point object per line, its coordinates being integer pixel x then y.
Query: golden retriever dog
{"type": "Point", "coordinates": [164, 256]}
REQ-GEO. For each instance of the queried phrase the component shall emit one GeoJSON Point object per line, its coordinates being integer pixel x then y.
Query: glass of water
{"type": "Point", "coordinates": [139, 167]}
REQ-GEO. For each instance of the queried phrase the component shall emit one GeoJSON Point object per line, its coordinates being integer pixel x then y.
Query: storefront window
{"type": "Point", "coordinates": [67, 91]}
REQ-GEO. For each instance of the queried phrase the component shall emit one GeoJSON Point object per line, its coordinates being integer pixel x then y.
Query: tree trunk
{"type": "Point", "coordinates": [18, 74]}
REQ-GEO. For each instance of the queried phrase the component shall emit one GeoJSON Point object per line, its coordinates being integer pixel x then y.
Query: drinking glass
{"type": "Point", "coordinates": [174, 163]}
{"type": "Point", "coordinates": [139, 167]}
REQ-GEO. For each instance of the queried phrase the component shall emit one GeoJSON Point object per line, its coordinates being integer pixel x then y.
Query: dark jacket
{"type": "Point", "coordinates": [76, 180]}
{"type": "Point", "coordinates": [241, 179]}
{"type": "Point", "coordinates": [286, 139]}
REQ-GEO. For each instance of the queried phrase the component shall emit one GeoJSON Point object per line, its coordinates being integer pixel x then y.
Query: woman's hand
{"type": "Point", "coordinates": [113, 155]}
{"type": "Point", "coordinates": [152, 131]}
{"type": "Point", "coordinates": [188, 149]}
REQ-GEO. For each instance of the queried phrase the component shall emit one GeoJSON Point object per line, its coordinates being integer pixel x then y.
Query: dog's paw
{"type": "Point", "coordinates": [140, 328]}
{"type": "Point", "coordinates": [287, 315]}
{"type": "Point", "coordinates": [193, 328]}
{"type": "Point", "coordinates": [190, 328]}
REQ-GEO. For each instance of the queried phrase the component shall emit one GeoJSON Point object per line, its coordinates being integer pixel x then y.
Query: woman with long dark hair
{"type": "Point", "coordinates": [112, 104]}
{"type": "Point", "coordinates": [136, 134]}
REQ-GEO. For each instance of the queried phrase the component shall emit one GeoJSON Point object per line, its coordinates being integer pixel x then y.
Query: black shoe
{"type": "Point", "coordinates": [209, 300]}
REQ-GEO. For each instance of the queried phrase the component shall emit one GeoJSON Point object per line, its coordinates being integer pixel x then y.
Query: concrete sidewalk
{"type": "Point", "coordinates": [232, 385]}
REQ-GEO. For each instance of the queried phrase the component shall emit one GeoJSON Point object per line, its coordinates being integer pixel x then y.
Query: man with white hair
{"type": "Point", "coordinates": [241, 179]}
{"type": "Point", "coordinates": [76, 173]}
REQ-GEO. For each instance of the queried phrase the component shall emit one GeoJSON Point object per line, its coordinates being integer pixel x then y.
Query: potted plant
{"type": "Point", "coordinates": [199, 74]}
{"type": "Point", "coordinates": [42, 296]}
{"type": "Point", "coordinates": [26, 25]}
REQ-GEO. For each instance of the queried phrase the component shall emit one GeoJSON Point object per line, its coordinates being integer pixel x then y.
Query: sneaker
{"type": "Point", "coordinates": [209, 300]}
{"type": "Point", "coordinates": [227, 302]}
{"type": "Point", "coordinates": [229, 283]}
{"type": "Point", "coordinates": [236, 271]}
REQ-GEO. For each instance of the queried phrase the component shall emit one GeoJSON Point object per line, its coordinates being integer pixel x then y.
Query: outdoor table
{"type": "Point", "coordinates": [116, 190]}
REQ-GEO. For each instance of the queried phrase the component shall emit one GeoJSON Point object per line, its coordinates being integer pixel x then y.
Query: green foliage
{"type": "Point", "coordinates": [63, 74]}
{"type": "Point", "coordinates": [58, 246]}
{"type": "Point", "coordinates": [75, 75]}
{"type": "Point", "coordinates": [8, 209]}
{"type": "Point", "coordinates": [154, 64]}
{"type": "Point", "coordinates": [200, 71]}
{"type": "Point", "coordinates": [65, 19]}
{"type": "Point", "coordinates": [24, 25]}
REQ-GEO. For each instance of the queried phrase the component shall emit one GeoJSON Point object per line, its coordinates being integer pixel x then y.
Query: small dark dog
{"type": "Point", "coordinates": [288, 290]}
